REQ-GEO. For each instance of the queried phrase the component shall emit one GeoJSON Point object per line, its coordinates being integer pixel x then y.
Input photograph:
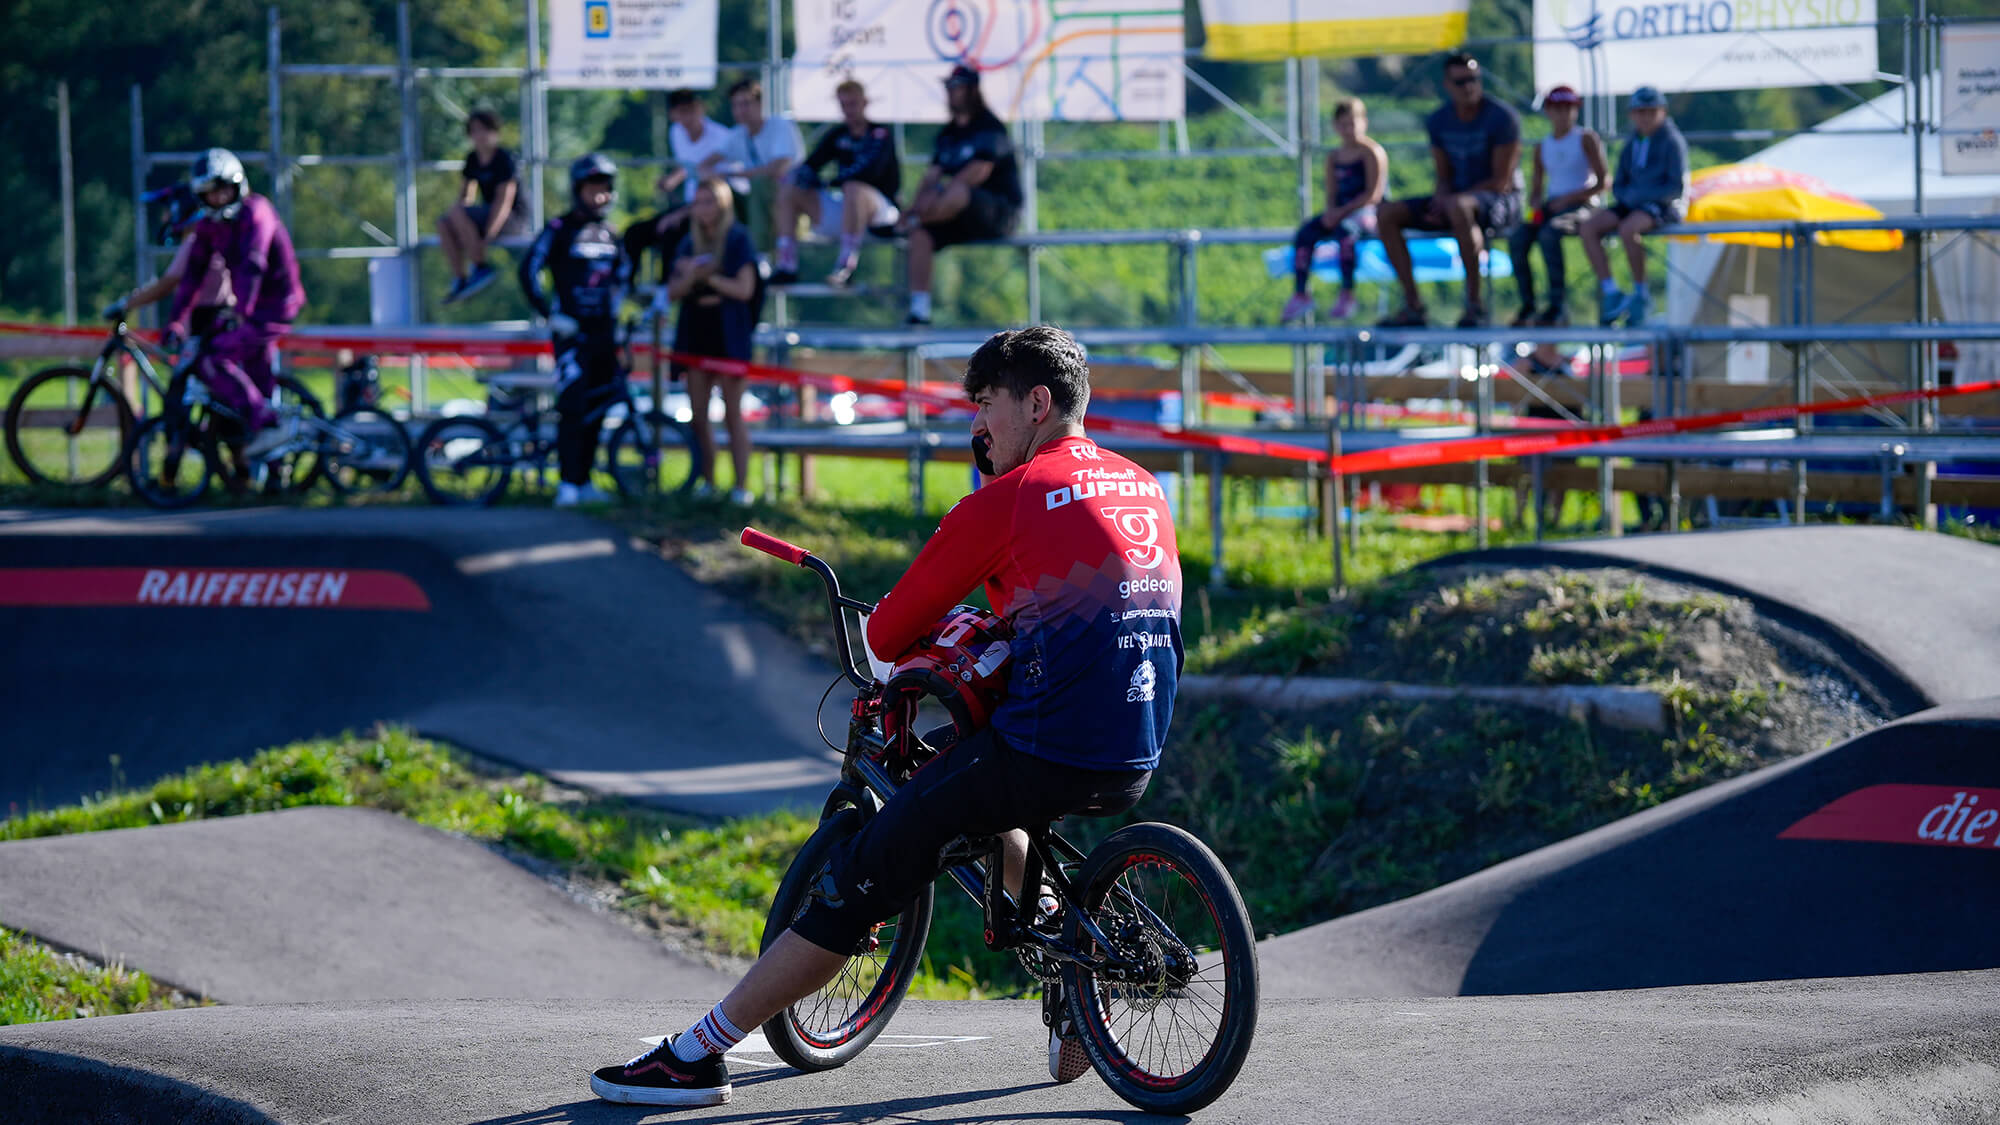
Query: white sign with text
{"type": "Point", "coordinates": [1616, 46]}
{"type": "Point", "coordinates": [1968, 116]}
{"type": "Point", "coordinates": [632, 44]}
{"type": "Point", "coordinates": [1099, 60]}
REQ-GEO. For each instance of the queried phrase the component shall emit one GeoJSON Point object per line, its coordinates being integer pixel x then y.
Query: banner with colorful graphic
{"type": "Point", "coordinates": [632, 44]}
{"type": "Point", "coordinates": [1617, 46]}
{"type": "Point", "coordinates": [1104, 60]}
{"type": "Point", "coordinates": [1280, 29]}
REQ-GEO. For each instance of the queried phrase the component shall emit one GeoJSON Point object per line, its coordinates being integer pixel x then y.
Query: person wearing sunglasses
{"type": "Point", "coordinates": [1476, 153]}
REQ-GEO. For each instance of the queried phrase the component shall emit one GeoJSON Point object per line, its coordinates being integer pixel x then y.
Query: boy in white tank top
{"type": "Point", "coordinates": [1569, 172]}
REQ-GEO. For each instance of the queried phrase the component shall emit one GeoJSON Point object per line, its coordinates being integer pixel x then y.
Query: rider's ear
{"type": "Point", "coordinates": [1042, 403]}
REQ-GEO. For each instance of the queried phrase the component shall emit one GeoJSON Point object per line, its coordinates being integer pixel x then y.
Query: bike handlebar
{"type": "Point", "coordinates": [775, 547]}
{"type": "Point", "coordinates": [835, 601]}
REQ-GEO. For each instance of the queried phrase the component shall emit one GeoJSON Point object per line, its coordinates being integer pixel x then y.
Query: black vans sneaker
{"type": "Point", "coordinates": [658, 1078]}
{"type": "Point", "coordinates": [1068, 1060]}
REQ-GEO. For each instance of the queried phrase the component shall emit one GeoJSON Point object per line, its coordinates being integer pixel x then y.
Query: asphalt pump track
{"type": "Point", "coordinates": [1817, 940]}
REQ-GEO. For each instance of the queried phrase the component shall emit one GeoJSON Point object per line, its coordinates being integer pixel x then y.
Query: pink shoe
{"type": "Point", "coordinates": [1342, 308]}
{"type": "Point", "coordinates": [1296, 308]}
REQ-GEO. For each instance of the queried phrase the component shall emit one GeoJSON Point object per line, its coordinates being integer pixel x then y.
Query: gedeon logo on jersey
{"type": "Point", "coordinates": [257, 587]}
{"type": "Point", "coordinates": [1951, 816]}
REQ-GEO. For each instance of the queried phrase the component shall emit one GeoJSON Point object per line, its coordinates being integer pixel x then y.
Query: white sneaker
{"type": "Point", "coordinates": [742, 497]}
{"type": "Point", "coordinates": [568, 495]}
{"type": "Point", "coordinates": [591, 494]}
{"type": "Point", "coordinates": [266, 441]}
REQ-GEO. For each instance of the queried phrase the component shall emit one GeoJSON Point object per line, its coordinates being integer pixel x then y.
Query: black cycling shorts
{"type": "Point", "coordinates": [1495, 211]}
{"type": "Point", "coordinates": [987, 216]}
{"type": "Point", "coordinates": [980, 787]}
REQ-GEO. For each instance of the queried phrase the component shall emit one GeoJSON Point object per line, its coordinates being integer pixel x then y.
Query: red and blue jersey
{"type": "Point", "coordinates": [1076, 548]}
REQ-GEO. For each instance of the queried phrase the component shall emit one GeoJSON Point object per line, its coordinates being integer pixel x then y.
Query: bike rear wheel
{"type": "Point", "coordinates": [1171, 1038]}
{"type": "Point", "coordinates": [463, 461]}
{"type": "Point", "coordinates": [66, 427]}
{"type": "Point", "coordinates": [171, 463]}
{"type": "Point", "coordinates": [294, 471]}
{"type": "Point", "coordinates": [650, 455]}
{"type": "Point", "coordinates": [835, 1024]}
{"type": "Point", "coordinates": [365, 450]}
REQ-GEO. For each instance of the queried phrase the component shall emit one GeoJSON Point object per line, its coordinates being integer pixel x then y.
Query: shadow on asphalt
{"type": "Point", "coordinates": [85, 1089]}
{"type": "Point", "coordinates": [591, 1111]}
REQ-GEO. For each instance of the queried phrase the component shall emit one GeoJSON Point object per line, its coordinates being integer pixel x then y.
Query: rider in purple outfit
{"type": "Point", "coordinates": [256, 250]}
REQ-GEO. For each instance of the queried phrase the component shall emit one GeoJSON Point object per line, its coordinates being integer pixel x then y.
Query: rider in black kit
{"type": "Point", "coordinates": [592, 273]}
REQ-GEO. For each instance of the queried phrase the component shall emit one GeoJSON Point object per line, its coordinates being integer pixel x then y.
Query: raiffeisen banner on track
{"type": "Point", "coordinates": [1280, 29]}
{"type": "Point", "coordinates": [632, 44]}
{"type": "Point", "coordinates": [1047, 60]}
{"type": "Point", "coordinates": [1616, 46]}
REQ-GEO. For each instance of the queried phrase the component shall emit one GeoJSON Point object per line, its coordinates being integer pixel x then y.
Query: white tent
{"type": "Point", "coordinates": [1706, 279]}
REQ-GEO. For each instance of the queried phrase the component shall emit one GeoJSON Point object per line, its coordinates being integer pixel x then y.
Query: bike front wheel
{"type": "Point", "coordinates": [463, 461]}
{"type": "Point", "coordinates": [365, 450]}
{"type": "Point", "coordinates": [651, 455]}
{"type": "Point", "coordinates": [65, 426]}
{"type": "Point", "coordinates": [1169, 1035]}
{"type": "Point", "coordinates": [835, 1024]}
{"type": "Point", "coordinates": [171, 462]}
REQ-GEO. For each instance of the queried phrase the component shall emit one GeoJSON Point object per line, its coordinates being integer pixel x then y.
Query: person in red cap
{"type": "Point", "coordinates": [1569, 172]}
{"type": "Point", "coordinates": [970, 193]}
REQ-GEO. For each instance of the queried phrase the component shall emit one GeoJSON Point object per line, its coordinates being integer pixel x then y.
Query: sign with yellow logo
{"type": "Point", "coordinates": [632, 44]}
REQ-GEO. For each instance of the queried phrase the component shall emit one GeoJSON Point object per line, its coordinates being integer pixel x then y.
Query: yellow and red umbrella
{"type": "Point", "coordinates": [1748, 193]}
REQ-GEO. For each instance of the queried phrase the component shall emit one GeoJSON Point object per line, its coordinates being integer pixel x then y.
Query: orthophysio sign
{"type": "Point", "coordinates": [1616, 46]}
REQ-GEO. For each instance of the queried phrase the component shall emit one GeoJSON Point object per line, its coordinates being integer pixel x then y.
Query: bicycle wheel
{"type": "Point", "coordinates": [1171, 1037]}
{"type": "Point", "coordinates": [832, 1026]}
{"type": "Point", "coordinates": [365, 450]}
{"type": "Point", "coordinates": [463, 461]}
{"type": "Point", "coordinates": [170, 465]}
{"type": "Point", "coordinates": [65, 427]}
{"type": "Point", "coordinates": [294, 471]}
{"type": "Point", "coordinates": [650, 456]}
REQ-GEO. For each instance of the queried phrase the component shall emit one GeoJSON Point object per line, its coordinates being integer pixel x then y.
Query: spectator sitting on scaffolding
{"type": "Point", "coordinates": [1355, 174]}
{"type": "Point", "coordinates": [701, 146]}
{"type": "Point", "coordinates": [1475, 150]}
{"type": "Point", "coordinates": [867, 175]}
{"type": "Point", "coordinates": [240, 233]}
{"type": "Point", "coordinates": [971, 192]}
{"type": "Point", "coordinates": [489, 208]}
{"type": "Point", "coordinates": [212, 298]}
{"type": "Point", "coordinates": [1569, 171]}
{"type": "Point", "coordinates": [1646, 195]}
{"type": "Point", "coordinates": [762, 150]}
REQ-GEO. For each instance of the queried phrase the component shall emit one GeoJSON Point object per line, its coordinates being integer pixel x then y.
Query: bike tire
{"type": "Point", "coordinates": [294, 472]}
{"type": "Point", "coordinates": [101, 439]}
{"type": "Point", "coordinates": [643, 468]}
{"type": "Point", "coordinates": [834, 1025]}
{"type": "Point", "coordinates": [463, 462]}
{"type": "Point", "coordinates": [157, 463]}
{"type": "Point", "coordinates": [1188, 896]}
{"type": "Point", "coordinates": [367, 451]}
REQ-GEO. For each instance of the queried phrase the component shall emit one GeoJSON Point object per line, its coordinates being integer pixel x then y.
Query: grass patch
{"type": "Point", "coordinates": [38, 984]}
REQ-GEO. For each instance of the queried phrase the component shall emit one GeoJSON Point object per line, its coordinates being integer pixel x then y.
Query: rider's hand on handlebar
{"type": "Point", "coordinates": [171, 341]}
{"type": "Point", "coordinates": [562, 324]}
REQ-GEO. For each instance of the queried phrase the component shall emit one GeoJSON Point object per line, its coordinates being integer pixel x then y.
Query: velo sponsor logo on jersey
{"type": "Point", "coordinates": [1936, 815]}
{"type": "Point", "coordinates": [253, 587]}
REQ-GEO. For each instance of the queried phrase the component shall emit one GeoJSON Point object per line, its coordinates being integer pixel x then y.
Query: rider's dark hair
{"type": "Point", "coordinates": [1461, 60]}
{"type": "Point", "coordinates": [1025, 358]}
{"type": "Point", "coordinates": [485, 118]}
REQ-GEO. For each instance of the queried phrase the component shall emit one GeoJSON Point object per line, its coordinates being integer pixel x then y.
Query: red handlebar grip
{"type": "Point", "coordinates": [774, 546]}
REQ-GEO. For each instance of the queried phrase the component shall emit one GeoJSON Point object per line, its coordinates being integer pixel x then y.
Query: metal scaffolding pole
{"type": "Point", "coordinates": [280, 168]}
{"type": "Point", "coordinates": [535, 116]}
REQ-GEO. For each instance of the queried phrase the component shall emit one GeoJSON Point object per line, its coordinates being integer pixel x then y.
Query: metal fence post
{"type": "Point", "coordinates": [281, 172]}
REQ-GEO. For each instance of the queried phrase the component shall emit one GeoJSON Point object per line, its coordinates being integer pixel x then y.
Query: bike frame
{"type": "Point", "coordinates": [866, 783]}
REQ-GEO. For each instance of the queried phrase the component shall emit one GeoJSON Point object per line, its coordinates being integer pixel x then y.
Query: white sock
{"type": "Point", "coordinates": [850, 247]}
{"type": "Point", "coordinates": [712, 1034]}
{"type": "Point", "coordinates": [920, 304]}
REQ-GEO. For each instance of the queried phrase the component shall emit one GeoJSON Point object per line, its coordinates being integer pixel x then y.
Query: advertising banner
{"type": "Point", "coordinates": [1968, 112]}
{"type": "Point", "coordinates": [1097, 60]}
{"type": "Point", "coordinates": [1279, 29]}
{"type": "Point", "coordinates": [632, 44]}
{"type": "Point", "coordinates": [1616, 46]}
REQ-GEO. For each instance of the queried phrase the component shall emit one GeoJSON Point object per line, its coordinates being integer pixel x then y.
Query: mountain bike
{"type": "Point", "coordinates": [470, 460]}
{"type": "Point", "coordinates": [1148, 950]}
{"type": "Point", "coordinates": [72, 425]}
{"type": "Point", "coordinates": [178, 454]}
